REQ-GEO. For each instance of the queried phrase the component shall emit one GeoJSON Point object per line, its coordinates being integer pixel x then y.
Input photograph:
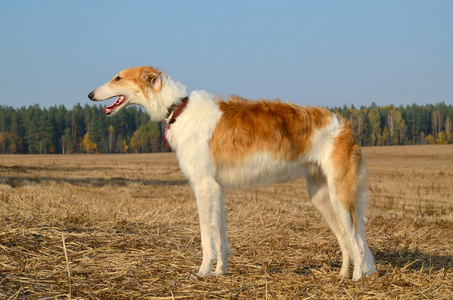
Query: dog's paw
{"type": "Point", "coordinates": [202, 273]}
{"type": "Point", "coordinates": [219, 272]}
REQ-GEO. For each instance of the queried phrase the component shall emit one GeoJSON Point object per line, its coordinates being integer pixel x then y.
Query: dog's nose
{"type": "Point", "coordinates": [91, 95]}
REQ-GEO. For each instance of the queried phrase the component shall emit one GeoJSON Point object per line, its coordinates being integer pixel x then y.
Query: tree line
{"type": "Point", "coordinates": [410, 125]}
{"type": "Point", "coordinates": [86, 129]}
{"type": "Point", "coordinates": [82, 129]}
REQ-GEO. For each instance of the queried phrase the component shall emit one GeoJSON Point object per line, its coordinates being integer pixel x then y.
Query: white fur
{"type": "Point", "coordinates": [189, 137]}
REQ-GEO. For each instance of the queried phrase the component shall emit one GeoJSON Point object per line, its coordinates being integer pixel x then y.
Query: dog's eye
{"type": "Point", "coordinates": [117, 78]}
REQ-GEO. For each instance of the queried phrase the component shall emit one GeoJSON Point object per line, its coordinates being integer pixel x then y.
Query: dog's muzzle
{"type": "Point", "coordinates": [91, 96]}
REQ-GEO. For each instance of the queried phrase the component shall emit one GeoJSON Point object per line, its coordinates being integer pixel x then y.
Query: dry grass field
{"type": "Point", "coordinates": [126, 227]}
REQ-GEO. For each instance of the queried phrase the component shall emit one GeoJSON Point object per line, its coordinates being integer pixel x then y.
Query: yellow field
{"type": "Point", "coordinates": [126, 227]}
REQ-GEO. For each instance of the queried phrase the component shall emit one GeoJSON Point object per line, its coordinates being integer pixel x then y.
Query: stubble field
{"type": "Point", "coordinates": [126, 227]}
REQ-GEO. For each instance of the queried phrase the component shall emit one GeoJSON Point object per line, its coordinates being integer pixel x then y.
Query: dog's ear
{"type": "Point", "coordinates": [151, 81]}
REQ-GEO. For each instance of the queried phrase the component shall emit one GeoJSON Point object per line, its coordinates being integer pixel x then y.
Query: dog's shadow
{"type": "Point", "coordinates": [388, 261]}
{"type": "Point", "coordinates": [16, 181]}
{"type": "Point", "coordinates": [413, 260]}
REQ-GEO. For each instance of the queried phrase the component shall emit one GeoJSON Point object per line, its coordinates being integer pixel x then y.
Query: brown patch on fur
{"type": "Point", "coordinates": [248, 127]}
{"type": "Point", "coordinates": [346, 159]}
{"type": "Point", "coordinates": [140, 76]}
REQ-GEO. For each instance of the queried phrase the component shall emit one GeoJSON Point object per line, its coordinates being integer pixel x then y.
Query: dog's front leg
{"type": "Point", "coordinates": [221, 241]}
{"type": "Point", "coordinates": [211, 212]}
{"type": "Point", "coordinates": [204, 213]}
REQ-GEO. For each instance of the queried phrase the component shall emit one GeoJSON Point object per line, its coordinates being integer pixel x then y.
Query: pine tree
{"type": "Point", "coordinates": [111, 138]}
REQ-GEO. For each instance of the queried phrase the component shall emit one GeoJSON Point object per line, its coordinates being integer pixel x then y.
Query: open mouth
{"type": "Point", "coordinates": [118, 102]}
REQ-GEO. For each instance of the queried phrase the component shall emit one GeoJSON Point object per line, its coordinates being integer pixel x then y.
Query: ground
{"type": "Point", "coordinates": [126, 227]}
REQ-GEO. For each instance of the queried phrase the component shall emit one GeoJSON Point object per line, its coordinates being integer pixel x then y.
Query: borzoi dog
{"type": "Point", "coordinates": [245, 143]}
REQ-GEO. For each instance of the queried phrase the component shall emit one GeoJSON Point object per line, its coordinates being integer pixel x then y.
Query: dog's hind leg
{"type": "Point", "coordinates": [319, 196]}
{"type": "Point", "coordinates": [353, 237]}
{"type": "Point", "coordinates": [345, 191]}
{"type": "Point", "coordinates": [211, 212]}
{"type": "Point", "coordinates": [368, 267]}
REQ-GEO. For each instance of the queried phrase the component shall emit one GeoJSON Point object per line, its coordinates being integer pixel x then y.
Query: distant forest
{"type": "Point", "coordinates": [86, 129]}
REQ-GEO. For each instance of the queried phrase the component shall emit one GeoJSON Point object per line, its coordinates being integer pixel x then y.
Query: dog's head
{"type": "Point", "coordinates": [131, 86]}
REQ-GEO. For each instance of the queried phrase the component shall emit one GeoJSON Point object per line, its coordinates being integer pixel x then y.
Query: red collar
{"type": "Point", "coordinates": [175, 110]}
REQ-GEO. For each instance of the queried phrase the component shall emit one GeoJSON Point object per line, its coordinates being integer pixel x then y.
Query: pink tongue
{"type": "Point", "coordinates": [109, 108]}
{"type": "Point", "coordinates": [114, 103]}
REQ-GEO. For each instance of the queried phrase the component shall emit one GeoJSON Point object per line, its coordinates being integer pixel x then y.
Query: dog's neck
{"type": "Point", "coordinates": [175, 110]}
{"type": "Point", "coordinates": [171, 94]}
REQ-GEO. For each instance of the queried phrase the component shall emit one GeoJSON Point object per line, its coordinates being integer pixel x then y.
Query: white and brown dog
{"type": "Point", "coordinates": [245, 143]}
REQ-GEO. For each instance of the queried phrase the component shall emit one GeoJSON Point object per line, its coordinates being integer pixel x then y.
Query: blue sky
{"type": "Point", "coordinates": [327, 53]}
